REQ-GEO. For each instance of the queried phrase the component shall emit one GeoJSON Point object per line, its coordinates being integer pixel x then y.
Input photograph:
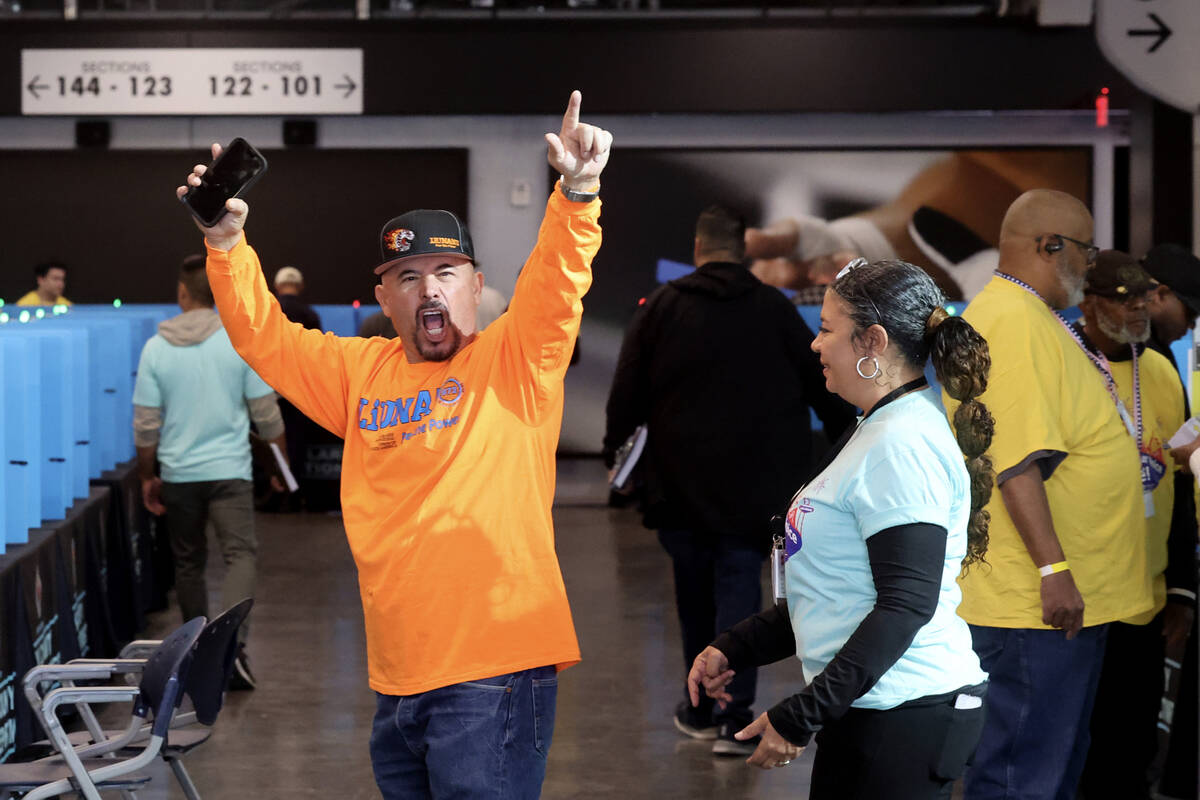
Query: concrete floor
{"type": "Point", "coordinates": [304, 732]}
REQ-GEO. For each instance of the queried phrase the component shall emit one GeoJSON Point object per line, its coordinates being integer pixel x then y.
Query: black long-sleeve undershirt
{"type": "Point", "coordinates": [906, 564]}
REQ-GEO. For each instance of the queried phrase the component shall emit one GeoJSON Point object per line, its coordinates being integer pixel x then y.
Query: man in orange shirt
{"type": "Point", "coordinates": [447, 475]}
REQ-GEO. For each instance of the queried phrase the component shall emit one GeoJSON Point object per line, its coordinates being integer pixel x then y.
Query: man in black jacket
{"type": "Point", "coordinates": [1173, 308]}
{"type": "Point", "coordinates": [718, 365]}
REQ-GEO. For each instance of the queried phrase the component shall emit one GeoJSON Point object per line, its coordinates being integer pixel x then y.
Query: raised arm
{"type": "Point", "coordinates": [543, 317]}
{"type": "Point", "coordinates": [305, 366]}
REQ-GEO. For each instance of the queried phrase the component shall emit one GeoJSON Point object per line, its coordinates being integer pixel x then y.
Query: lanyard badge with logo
{"type": "Point", "coordinates": [1152, 469]}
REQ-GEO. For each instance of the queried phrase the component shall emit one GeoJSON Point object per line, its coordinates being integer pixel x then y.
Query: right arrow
{"type": "Point", "coordinates": [349, 85]}
{"type": "Point", "coordinates": [34, 86]}
{"type": "Point", "coordinates": [1162, 32]}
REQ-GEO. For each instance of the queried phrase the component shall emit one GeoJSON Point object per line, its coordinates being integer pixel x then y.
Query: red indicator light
{"type": "Point", "coordinates": [356, 304]}
{"type": "Point", "coordinates": [1102, 108]}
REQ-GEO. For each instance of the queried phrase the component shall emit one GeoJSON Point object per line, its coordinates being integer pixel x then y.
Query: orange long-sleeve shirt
{"type": "Point", "coordinates": [448, 470]}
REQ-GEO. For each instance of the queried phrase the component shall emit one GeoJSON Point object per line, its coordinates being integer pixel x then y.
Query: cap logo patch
{"type": "Point", "coordinates": [398, 240]}
{"type": "Point", "coordinates": [443, 241]}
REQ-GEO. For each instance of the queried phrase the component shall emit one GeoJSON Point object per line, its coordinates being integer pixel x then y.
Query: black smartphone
{"type": "Point", "coordinates": [234, 171]}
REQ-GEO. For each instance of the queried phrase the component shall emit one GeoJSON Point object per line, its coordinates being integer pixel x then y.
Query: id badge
{"type": "Point", "coordinates": [1153, 471]}
{"type": "Point", "coordinates": [778, 577]}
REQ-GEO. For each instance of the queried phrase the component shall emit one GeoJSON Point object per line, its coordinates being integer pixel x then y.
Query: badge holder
{"type": "Point", "coordinates": [778, 557]}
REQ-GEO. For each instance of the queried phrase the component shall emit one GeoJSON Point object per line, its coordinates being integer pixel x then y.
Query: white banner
{"type": "Point", "coordinates": [195, 81]}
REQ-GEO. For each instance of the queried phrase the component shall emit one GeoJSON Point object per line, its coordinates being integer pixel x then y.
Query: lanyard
{"type": "Point", "coordinates": [832, 453]}
{"type": "Point", "coordinates": [1100, 362]}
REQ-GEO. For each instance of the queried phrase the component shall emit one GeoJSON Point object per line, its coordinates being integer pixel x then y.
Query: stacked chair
{"type": "Point", "coordinates": [195, 660]}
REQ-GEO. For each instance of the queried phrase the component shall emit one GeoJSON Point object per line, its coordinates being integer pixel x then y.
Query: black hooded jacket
{"type": "Point", "coordinates": [720, 368]}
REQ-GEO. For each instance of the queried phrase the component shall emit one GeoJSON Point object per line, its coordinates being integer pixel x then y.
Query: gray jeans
{"type": "Point", "coordinates": [229, 504]}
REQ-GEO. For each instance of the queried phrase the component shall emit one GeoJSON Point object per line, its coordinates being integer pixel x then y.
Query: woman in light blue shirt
{"type": "Point", "coordinates": [873, 545]}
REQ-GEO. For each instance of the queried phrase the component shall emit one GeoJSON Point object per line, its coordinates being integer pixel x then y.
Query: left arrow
{"type": "Point", "coordinates": [34, 86]}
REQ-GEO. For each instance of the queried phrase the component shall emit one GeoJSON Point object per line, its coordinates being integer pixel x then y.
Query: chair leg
{"type": "Point", "coordinates": [185, 780]}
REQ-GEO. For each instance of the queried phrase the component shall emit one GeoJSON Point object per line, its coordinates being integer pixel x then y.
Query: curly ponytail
{"type": "Point", "coordinates": [909, 305]}
{"type": "Point", "coordinates": [961, 361]}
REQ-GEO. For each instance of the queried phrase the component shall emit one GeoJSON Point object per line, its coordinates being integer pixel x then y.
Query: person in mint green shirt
{"type": "Point", "coordinates": [193, 403]}
{"type": "Point", "coordinates": [871, 548]}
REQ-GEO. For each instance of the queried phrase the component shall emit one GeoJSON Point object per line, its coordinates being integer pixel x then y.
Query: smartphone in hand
{"type": "Point", "coordinates": [234, 171]}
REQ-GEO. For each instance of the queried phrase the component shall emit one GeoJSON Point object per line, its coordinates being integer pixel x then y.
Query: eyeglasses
{"type": "Point", "coordinates": [1090, 251]}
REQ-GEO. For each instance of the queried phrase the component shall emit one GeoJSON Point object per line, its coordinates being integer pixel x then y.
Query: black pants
{"type": "Point", "coordinates": [1125, 717]}
{"type": "Point", "coordinates": [913, 752]}
{"type": "Point", "coordinates": [1179, 771]}
{"type": "Point", "coordinates": [718, 583]}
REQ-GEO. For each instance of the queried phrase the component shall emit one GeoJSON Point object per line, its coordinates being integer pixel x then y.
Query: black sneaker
{"type": "Point", "coordinates": [241, 679]}
{"type": "Point", "coordinates": [691, 722]}
{"type": "Point", "coordinates": [726, 745]}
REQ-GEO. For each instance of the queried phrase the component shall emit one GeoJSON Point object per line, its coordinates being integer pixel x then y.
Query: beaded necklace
{"type": "Point", "coordinates": [1152, 468]}
{"type": "Point", "coordinates": [1100, 362]}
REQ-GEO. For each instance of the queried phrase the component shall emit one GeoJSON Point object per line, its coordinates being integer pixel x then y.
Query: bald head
{"type": "Point", "coordinates": [1044, 211]}
{"type": "Point", "coordinates": [1038, 244]}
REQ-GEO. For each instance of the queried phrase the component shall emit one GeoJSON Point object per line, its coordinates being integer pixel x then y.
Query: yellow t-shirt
{"type": "Point", "coordinates": [1047, 396]}
{"type": "Point", "coordinates": [32, 299]}
{"type": "Point", "coordinates": [449, 467]}
{"type": "Point", "coordinates": [1162, 415]}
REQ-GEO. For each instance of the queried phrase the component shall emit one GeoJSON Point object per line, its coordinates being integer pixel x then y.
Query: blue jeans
{"type": "Point", "coordinates": [1039, 708]}
{"type": "Point", "coordinates": [718, 583]}
{"type": "Point", "coordinates": [486, 738]}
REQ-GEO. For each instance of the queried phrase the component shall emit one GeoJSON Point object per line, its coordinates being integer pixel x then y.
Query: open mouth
{"type": "Point", "coordinates": [433, 322]}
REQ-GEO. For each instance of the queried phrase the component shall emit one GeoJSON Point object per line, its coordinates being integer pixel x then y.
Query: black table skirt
{"type": "Point", "coordinates": [81, 587]}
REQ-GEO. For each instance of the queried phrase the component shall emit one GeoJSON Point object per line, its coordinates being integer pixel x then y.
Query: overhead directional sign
{"type": "Point", "coordinates": [1156, 44]}
{"type": "Point", "coordinates": [192, 81]}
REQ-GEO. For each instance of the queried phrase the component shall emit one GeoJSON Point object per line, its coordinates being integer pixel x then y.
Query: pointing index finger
{"type": "Point", "coordinates": [571, 117]}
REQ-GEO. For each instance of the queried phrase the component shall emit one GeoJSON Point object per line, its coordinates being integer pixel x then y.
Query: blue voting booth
{"type": "Point", "coordinates": [67, 407]}
{"type": "Point", "coordinates": [23, 446]}
{"type": "Point", "coordinates": [342, 320]}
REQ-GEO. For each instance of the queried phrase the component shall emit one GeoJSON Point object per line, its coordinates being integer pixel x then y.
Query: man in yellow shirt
{"type": "Point", "coordinates": [51, 281]}
{"type": "Point", "coordinates": [1067, 553]}
{"type": "Point", "coordinates": [1116, 324]}
{"type": "Point", "coordinates": [447, 475]}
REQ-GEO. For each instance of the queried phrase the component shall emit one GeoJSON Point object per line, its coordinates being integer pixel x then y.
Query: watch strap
{"type": "Point", "coordinates": [574, 196]}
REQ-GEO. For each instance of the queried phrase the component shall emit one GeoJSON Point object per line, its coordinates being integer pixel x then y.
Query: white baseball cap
{"type": "Point", "coordinates": [288, 275]}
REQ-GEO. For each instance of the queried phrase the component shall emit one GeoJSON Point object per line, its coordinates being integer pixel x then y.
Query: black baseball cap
{"type": "Point", "coordinates": [1118, 275]}
{"type": "Point", "coordinates": [1178, 269]}
{"type": "Point", "coordinates": [421, 233]}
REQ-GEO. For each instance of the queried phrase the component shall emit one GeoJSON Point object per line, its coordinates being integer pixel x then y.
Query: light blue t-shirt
{"type": "Point", "coordinates": [202, 390]}
{"type": "Point", "coordinates": [900, 466]}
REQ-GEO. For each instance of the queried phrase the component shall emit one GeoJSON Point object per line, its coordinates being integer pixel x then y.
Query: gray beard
{"type": "Point", "coordinates": [1072, 285]}
{"type": "Point", "coordinates": [1120, 333]}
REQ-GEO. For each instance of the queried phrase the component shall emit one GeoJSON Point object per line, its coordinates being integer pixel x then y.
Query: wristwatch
{"type": "Point", "coordinates": [574, 196]}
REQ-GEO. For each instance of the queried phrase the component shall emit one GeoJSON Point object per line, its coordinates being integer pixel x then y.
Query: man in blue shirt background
{"type": "Point", "coordinates": [193, 403]}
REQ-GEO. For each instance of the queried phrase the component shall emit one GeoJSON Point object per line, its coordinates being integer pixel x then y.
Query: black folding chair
{"type": "Point", "coordinates": [212, 664]}
{"type": "Point", "coordinates": [155, 699]}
